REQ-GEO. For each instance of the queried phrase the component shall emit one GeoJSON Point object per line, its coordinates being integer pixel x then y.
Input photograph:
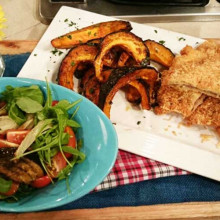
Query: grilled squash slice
{"type": "Point", "coordinates": [148, 74]}
{"type": "Point", "coordinates": [79, 54]}
{"type": "Point", "coordinates": [92, 89]}
{"type": "Point", "coordinates": [142, 90]}
{"type": "Point", "coordinates": [132, 94]}
{"type": "Point", "coordinates": [129, 42]}
{"type": "Point", "coordinates": [89, 33]}
{"type": "Point", "coordinates": [159, 53]}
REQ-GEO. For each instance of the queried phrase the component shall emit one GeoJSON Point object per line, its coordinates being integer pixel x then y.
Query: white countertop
{"type": "Point", "coordinates": [22, 23]}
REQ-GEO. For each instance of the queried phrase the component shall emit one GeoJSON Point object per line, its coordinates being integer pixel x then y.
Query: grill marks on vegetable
{"type": "Point", "coordinates": [22, 171]}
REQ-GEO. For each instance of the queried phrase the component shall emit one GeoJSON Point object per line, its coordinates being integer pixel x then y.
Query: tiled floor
{"type": "Point", "coordinates": [22, 23]}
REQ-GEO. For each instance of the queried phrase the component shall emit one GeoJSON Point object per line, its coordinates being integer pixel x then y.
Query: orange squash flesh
{"type": "Point", "coordinates": [143, 93]}
{"type": "Point", "coordinates": [82, 53]}
{"type": "Point", "coordinates": [132, 94]}
{"type": "Point", "coordinates": [159, 53]}
{"type": "Point", "coordinates": [89, 33]}
{"type": "Point", "coordinates": [129, 42]}
{"type": "Point", "coordinates": [149, 74]}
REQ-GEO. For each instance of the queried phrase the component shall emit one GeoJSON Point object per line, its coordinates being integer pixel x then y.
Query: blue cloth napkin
{"type": "Point", "coordinates": [175, 189]}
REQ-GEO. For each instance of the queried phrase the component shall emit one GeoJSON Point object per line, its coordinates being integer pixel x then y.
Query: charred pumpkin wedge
{"type": "Point", "coordinates": [159, 53]}
{"type": "Point", "coordinates": [142, 90]}
{"type": "Point", "coordinates": [132, 94]}
{"type": "Point", "coordinates": [86, 77]}
{"type": "Point", "coordinates": [123, 59]}
{"type": "Point", "coordinates": [129, 42]}
{"type": "Point", "coordinates": [89, 33]}
{"type": "Point", "coordinates": [82, 53]}
{"type": "Point", "coordinates": [148, 74]}
{"type": "Point", "coordinates": [92, 89]}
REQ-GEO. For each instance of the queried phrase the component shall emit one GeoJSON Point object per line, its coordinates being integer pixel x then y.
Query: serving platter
{"type": "Point", "coordinates": [161, 138]}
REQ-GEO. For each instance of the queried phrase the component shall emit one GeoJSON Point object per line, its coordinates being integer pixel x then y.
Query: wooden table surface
{"type": "Point", "coordinates": [189, 211]}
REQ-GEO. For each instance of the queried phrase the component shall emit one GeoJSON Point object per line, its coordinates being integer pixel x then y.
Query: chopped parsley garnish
{"type": "Point", "coordinates": [60, 52]}
{"type": "Point", "coordinates": [95, 34]}
{"type": "Point", "coordinates": [55, 52]}
{"type": "Point", "coordinates": [71, 24]}
{"type": "Point", "coordinates": [72, 63]}
{"type": "Point", "coordinates": [138, 122]}
{"type": "Point", "coordinates": [89, 33]}
{"type": "Point", "coordinates": [35, 54]}
{"type": "Point", "coordinates": [182, 38]}
{"type": "Point", "coordinates": [162, 42]}
{"type": "Point", "coordinates": [155, 31]}
{"type": "Point", "coordinates": [69, 36]}
{"type": "Point", "coordinates": [66, 20]}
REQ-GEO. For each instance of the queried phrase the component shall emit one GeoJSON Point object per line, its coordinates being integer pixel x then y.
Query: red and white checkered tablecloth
{"type": "Point", "coordinates": [131, 168]}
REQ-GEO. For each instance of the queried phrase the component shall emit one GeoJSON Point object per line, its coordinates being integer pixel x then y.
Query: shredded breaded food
{"type": "Point", "coordinates": [208, 113]}
{"type": "Point", "coordinates": [178, 100]}
{"type": "Point", "coordinates": [198, 69]}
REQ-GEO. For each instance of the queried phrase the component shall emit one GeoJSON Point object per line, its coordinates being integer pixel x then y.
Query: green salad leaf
{"type": "Point", "coordinates": [28, 105]}
{"type": "Point", "coordinates": [21, 100]}
{"type": "Point", "coordinates": [5, 185]}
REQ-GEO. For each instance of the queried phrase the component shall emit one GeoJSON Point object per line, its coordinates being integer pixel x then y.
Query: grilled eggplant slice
{"type": "Point", "coordinates": [129, 42]}
{"type": "Point", "coordinates": [89, 33]}
{"type": "Point", "coordinates": [22, 171]}
{"type": "Point", "coordinates": [159, 53]}
{"type": "Point", "coordinates": [77, 55]}
{"type": "Point", "coordinates": [147, 74]}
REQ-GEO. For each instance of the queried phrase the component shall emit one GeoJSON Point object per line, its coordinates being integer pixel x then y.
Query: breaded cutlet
{"type": "Point", "coordinates": [178, 100]}
{"type": "Point", "coordinates": [208, 113]}
{"type": "Point", "coordinates": [197, 69]}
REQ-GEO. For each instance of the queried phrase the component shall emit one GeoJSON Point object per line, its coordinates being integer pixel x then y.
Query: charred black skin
{"type": "Point", "coordinates": [106, 87]}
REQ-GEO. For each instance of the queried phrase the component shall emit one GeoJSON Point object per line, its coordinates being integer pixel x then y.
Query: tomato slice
{"type": "Point", "coordinates": [72, 140]}
{"type": "Point", "coordinates": [16, 136]}
{"type": "Point", "coordinates": [58, 163]}
{"type": "Point", "coordinates": [12, 190]}
{"type": "Point", "coordinates": [54, 102]}
{"type": "Point", "coordinates": [41, 182]}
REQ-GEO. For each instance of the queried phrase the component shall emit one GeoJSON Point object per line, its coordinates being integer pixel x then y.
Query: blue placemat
{"type": "Point", "coordinates": [186, 188]}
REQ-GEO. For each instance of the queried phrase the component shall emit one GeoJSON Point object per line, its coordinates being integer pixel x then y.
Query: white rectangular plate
{"type": "Point", "coordinates": [141, 132]}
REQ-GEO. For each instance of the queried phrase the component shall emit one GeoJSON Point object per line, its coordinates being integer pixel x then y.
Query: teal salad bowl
{"type": "Point", "coordinates": [100, 146]}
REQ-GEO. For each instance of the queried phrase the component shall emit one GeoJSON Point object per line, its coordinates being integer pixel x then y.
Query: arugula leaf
{"type": "Point", "coordinates": [81, 156]}
{"type": "Point", "coordinates": [73, 124]}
